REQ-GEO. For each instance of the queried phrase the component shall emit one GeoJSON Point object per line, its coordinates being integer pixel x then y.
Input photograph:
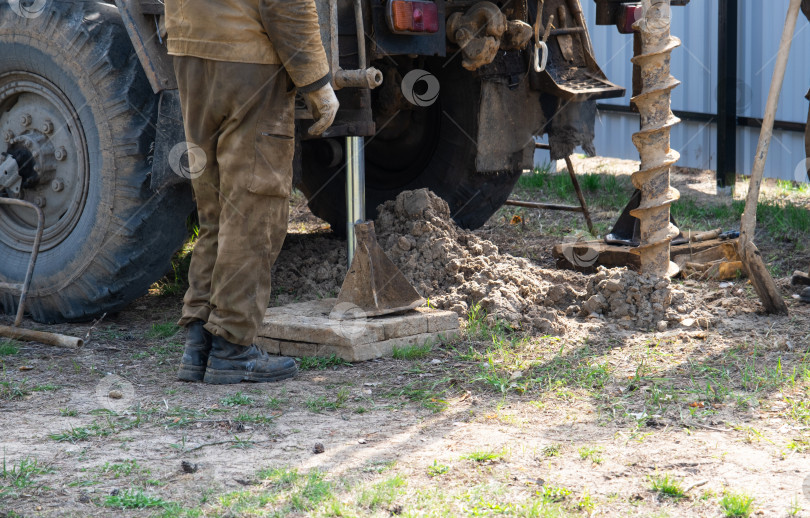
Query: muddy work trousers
{"type": "Point", "coordinates": [239, 122]}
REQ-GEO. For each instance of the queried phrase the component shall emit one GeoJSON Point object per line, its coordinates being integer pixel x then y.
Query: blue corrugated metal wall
{"type": "Point", "coordinates": [694, 64]}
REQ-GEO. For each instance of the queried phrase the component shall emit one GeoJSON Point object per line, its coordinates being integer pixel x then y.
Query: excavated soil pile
{"type": "Point", "coordinates": [456, 269]}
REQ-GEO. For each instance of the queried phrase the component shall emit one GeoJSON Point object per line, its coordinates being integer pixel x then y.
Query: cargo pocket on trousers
{"type": "Point", "coordinates": [272, 170]}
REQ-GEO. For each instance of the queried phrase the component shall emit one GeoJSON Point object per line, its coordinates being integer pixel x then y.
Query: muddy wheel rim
{"type": "Point", "coordinates": [41, 129]}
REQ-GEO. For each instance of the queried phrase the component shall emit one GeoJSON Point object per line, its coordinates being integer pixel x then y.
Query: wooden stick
{"type": "Point", "coordinates": [749, 217]}
{"type": "Point", "coordinates": [16, 333]}
{"type": "Point", "coordinates": [760, 277]}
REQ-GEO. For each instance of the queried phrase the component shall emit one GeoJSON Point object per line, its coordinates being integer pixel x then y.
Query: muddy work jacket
{"type": "Point", "coordinates": [273, 32]}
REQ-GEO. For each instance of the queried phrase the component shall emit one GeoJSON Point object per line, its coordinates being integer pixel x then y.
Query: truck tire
{"type": "Point", "coordinates": [73, 94]}
{"type": "Point", "coordinates": [431, 146]}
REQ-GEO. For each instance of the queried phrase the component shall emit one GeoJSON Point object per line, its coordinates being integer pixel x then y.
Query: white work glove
{"type": "Point", "coordinates": [323, 105]}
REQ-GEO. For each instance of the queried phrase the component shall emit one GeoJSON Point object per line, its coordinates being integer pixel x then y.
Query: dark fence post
{"type": "Point", "coordinates": [727, 96]}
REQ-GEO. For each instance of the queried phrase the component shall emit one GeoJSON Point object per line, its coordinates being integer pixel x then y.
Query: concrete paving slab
{"type": "Point", "coordinates": [306, 329]}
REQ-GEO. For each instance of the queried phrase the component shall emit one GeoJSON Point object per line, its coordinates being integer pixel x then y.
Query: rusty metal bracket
{"type": "Point", "coordinates": [140, 22]}
{"type": "Point", "coordinates": [364, 76]}
{"type": "Point", "coordinates": [373, 282]}
{"type": "Point", "coordinates": [23, 287]}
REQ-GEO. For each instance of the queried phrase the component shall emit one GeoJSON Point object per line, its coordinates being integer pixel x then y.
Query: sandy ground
{"type": "Point", "coordinates": [598, 410]}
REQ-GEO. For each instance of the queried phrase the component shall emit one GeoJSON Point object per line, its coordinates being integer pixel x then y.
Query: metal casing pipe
{"type": "Point", "coordinates": [355, 190]}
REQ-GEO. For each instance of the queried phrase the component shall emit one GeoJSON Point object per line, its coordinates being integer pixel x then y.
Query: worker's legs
{"type": "Point", "coordinates": [201, 119]}
{"type": "Point", "coordinates": [254, 152]}
{"type": "Point", "coordinates": [242, 118]}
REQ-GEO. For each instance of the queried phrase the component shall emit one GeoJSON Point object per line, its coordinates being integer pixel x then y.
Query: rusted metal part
{"type": "Point", "coordinates": [752, 259]}
{"type": "Point", "coordinates": [26, 284]}
{"type": "Point", "coordinates": [15, 333]}
{"type": "Point", "coordinates": [585, 212]}
{"type": "Point", "coordinates": [373, 283]}
{"type": "Point", "coordinates": [572, 73]}
{"type": "Point", "coordinates": [362, 77]}
{"type": "Point", "coordinates": [544, 206]}
{"type": "Point", "coordinates": [142, 28]}
{"type": "Point", "coordinates": [653, 140]}
{"type": "Point", "coordinates": [478, 33]}
{"type": "Point", "coordinates": [482, 31]}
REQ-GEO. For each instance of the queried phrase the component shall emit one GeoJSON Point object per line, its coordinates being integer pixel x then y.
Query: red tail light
{"type": "Point", "coordinates": [412, 17]}
{"type": "Point", "coordinates": [627, 17]}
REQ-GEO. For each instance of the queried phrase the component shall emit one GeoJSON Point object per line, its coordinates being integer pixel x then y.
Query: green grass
{"type": "Point", "coordinates": [283, 491]}
{"type": "Point", "coordinates": [737, 505]}
{"type": "Point", "coordinates": [10, 390]}
{"type": "Point", "coordinates": [485, 455]}
{"type": "Point", "coordinates": [164, 330]}
{"type": "Point", "coordinates": [320, 403]}
{"type": "Point", "coordinates": [123, 469]}
{"type": "Point", "coordinates": [47, 387]}
{"type": "Point", "coordinates": [176, 282]}
{"type": "Point", "coordinates": [238, 399]}
{"type": "Point", "coordinates": [20, 475]}
{"type": "Point", "coordinates": [667, 486]}
{"type": "Point", "coordinates": [412, 352]}
{"type": "Point", "coordinates": [601, 189]}
{"type": "Point", "coordinates": [381, 494]}
{"type": "Point", "coordinates": [253, 418]}
{"type": "Point", "coordinates": [306, 363]}
{"type": "Point", "coordinates": [110, 425]}
{"type": "Point", "coordinates": [592, 453]}
{"type": "Point", "coordinates": [9, 348]}
{"type": "Point", "coordinates": [782, 221]}
{"type": "Point", "coordinates": [136, 499]}
{"type": "Point", "coordinates": [68, 412]}
{"type": "Point", "coordinates": [437, 469]}
{"type": "Point", "coordinates": [427, 395]}
{"type": "Point", "coordinates": [74, 434]}
{"type": "Point", "coordinates": [552, 450]}
{"type": "Point", "coordinates": [553, 494]}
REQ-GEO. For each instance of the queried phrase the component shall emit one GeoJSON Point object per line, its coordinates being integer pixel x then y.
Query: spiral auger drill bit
{"type": "Point", "coordinates": [653, 140]}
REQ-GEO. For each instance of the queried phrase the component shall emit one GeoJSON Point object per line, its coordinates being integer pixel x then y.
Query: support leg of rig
{"type": "Point", "coordinates": [355, 191]}
{"type": "Point", "coordinates": [578, 189]}
{"type": "Point", "coordinates": [653, 140]}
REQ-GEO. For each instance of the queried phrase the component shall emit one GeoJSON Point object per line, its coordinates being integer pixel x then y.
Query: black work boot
{"type": "Point", "coordinates": [232, 363]}
{"type": "Point", "coordinates": [195, 355]}
{"type": "Point", "coordinates": [804, 296]}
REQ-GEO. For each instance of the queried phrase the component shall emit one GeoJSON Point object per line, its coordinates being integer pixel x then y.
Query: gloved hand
{"type": "Point", "coordinates": [323, 105]}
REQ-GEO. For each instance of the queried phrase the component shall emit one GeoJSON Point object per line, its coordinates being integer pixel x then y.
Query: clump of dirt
{"type": "Point", "coordinates": [455, 268]}
{"type": "Point", "coordinates": [308, 267]}
{"type": "Point", "coordinates": [644, 300]}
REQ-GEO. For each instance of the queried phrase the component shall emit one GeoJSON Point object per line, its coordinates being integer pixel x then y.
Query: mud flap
{"type": "Point", "coordinates": [168, 133]}
{"type": "Point", "coordinates": [507, 123]}
{"type": "Point", "coordinates": [571, 124]}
